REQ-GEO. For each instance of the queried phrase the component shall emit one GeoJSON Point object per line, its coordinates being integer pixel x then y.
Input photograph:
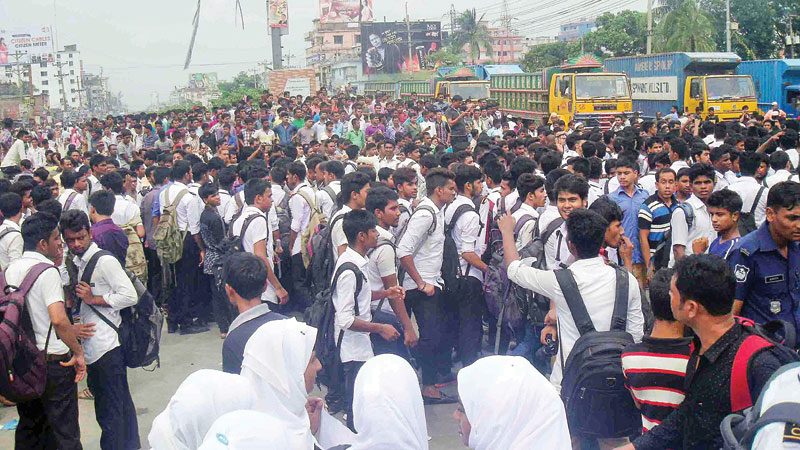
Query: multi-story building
{"type": "Point", "coordinates": [332, 41]}
{"type": "Point", "coordinates": [508, 46]}
{"type": "Point", "coordinates": [571, 32]}
{"type": "Point", "coordinates": [56, 76]}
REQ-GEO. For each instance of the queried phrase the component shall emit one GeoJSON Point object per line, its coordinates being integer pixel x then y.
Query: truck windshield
{"type": "Point", "coordinates": [724, 88]}
{"type": "Point", "coordinates": [470, 90]}
{"type": "Point", "coordinates": [601, 86]}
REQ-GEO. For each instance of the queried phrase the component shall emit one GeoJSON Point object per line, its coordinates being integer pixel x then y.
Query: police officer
{"type": "Point", "coordinates": [766, 262]}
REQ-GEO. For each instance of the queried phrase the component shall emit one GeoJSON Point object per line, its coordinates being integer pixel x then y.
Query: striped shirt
{"type": "Point", "coordinates": [654, 372]}
{"type": "Point", "coordinates": [655, 215]}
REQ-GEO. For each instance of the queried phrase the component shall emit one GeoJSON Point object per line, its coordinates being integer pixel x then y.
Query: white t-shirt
{"type": "Point", "coordinates": [382, 263]}
{"type": "Point", "coordinates": [701, 227]}
{"type": "Point", "coordinates": [257, 231]}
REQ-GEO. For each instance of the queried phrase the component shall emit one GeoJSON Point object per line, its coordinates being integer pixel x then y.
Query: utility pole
{"type": "Point", "coordinates": [410, 46]}
{"type": "Point", "coordinates": [60, 76]}
{"type": "Point", "coordinates": [791, 38]}
{"type": "Point", "coordinates": [452, 19]}
{"type": "Point", "coordinates": [649, 26]}
{"type": "Point", "coordinates": [727, 25]}
{"type": "Point", "coordinates": [506, 19]}
{"type": "Point", "coordinates": [17, 56]}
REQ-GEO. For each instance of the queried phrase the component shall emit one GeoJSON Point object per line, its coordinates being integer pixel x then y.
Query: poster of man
{"type": "Point", "coordinates": [384, 46]}
{"type": "Point", "coordinates": [331, 11]}
{"type": "Point", "coordinates": [278, 14]}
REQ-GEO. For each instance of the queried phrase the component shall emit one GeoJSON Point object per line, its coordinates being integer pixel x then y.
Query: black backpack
{"type": "Point", "coordinates": [593, 388]}
{"type": "Point", "coordinates": [140, 329]}
{"type": "Point", "coordinates": [320, 315]}
{"type": "Point", "coordinates": [451, 264]}
{"type": "Point", "coordinates": [235, 244]}
{"type": "Point", "coordinates": [747, 220]}
{"type": "Point", "coordinates": [323, 259]}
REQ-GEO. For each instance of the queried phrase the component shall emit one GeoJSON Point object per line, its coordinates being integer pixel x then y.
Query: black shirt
{"type": "Point", "coordinates": [212, 231]}
{"type": "Point", "coordinates": [459, 129]}
{"type": "Point", "coordinates": [233, 347]}
{"type": "Point", "coordinates": [695, 424]}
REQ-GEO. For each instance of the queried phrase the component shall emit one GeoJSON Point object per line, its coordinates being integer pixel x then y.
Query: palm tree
{"type": "Point", "coordinates": [686, 29]}
{"type": "Point", "coordinates": [474, 33]}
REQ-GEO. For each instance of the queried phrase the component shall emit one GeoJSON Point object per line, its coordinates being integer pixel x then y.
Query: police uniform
{"type": "Point", "coordinates": [766, 282]}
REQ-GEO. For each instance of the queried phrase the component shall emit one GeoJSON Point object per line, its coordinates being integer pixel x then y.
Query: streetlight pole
{"type": "Point", "coordinates": [727, 25]}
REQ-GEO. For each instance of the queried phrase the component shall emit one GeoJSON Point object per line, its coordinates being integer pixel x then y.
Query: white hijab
{"type": "Point", "coordinates": [275, 360]}
{"type": "Point", "coordinates": [202, 397]}
{"type": "Point", "coordinates": [387, 406]}
{"type": "Point", "coordinates": [246, 430]}
{"type": "Point", "coordinates": [511, 406]}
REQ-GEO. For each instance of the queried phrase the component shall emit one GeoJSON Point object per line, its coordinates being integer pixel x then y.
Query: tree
{"type": "Point", "coordinates": [686, 29]}
{"type": "Point", "coordinates": [549, 55]}
{"type": "Point", "coordinates": [451, 55]}
{"type": "Point", "coordinates": [231, 92]}
{"type": "Point", "coordinates": [472, 32]}
{"type": "Point", "coordinates": [621, 34]}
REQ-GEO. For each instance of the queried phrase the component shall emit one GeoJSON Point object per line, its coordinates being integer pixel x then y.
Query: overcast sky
{"type": "Point", "coordinates": [141, 45]}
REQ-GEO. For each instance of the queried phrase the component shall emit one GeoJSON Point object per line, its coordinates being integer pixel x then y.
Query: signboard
{"type": "Point", "coordinates": [34, 42]}
{"type": "Point", "coordinates": [278, 14]}
{"type": "Point", "coordinates": [203, 80]}
{"type": "Point", "coordinates": [298, 86]}
{"type": "Point", "coordinates": [654, 88]}
{"type": "Point", "coordinates": [331, 11]}
{"type": "Point", "coordinates": [384, 46]}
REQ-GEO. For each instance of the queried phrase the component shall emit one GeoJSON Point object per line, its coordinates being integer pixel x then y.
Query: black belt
{"type": "Point", "coordinates": [63, 358]}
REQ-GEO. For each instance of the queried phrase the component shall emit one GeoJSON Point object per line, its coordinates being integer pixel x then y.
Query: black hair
{"type": "Point", "coordinates": [51, 206]}
{"type": "Point", "coordinates": [659, 294]}
{"type": "Point", "coordinates": [352, 151]}
{"type": "Point", "coordinates": [96, 160]}
{"type": "Point", "coordinates": [404, 175]}
{"type": "Point", "coordinates": [335, 168]}
{"type": "Point", "coordinates": [68, 179]}
{"type": "Point", "coordinates": [778, 160]}
{"type": "Point", "coordinates": [629, 163]}
{"type": "Point", "coordinates": [207, 190]}
{"type": "Point", "coordinates": [10, 204]}
{"type": "Point", "coordinates": [180, 169]}
{"type": "Point", "coordinates": [572, 184]}
{"type": "Point", "coordinates": [708, 280]}
{"type": "Point", "coordinates": [253, 188]}
{"type": "Point", "coordinates": [41, 173]}
{"type": "Point", "coordinates": [466, 174]}
{"type": "Point", "coordinates": [198, 170]}
{"type": "Point", "coordinates": [581, 166]}
{"type": "Point", "coordinates": [136, 164]}
{"type": "Point", "coordinates": [586, 230]}
{"type": "Point", "coordinates": [550, 182]}
{"type": "Point", "coordinates": [379, 197]}
{"type": "Point", "coordinates": [492, 169]}
{"type": "Point", "coordinates": [528, 183]}
{"type": "Point", "coordinates": [385, 173]}
{"type": "Point", "coordinates": [40, 193]}
{"type": "Point", "coordinates": [298, 169]}
{"type": "Point", "coordinates": [112, 181]}
{"type": "Point", "coordinates": [595, 168]}
{"type": "Point", "coordinates": [352, 182]}
{"type": "Point", "coordinates": [103, 202]}
{"type": "Point", "coordinates": [701, 170]}
{"type": "Point", "coordinates": [160, 174]}
{"type": "Point", "coordinates": [679, 147]}
{"type": "Point", "coordinates": [607, 209]}
{"type": "Point", "coordinates": [437, 178]}
{"type": "Point", "coordinates": [246, 274]}
{"type": "Point", "coordinates": [725, 198]}
{"type": "Point", "coordinates": [38, 227]}
{"type": "Point", "coordinates": [784, 195]}
{"type": "Point", "coordinates": [358, 221]}
{"type": "Point", "coordinates": [74, 220]}
{"type": "Point", "coordinates": [521, 165]}
{"type": "Point", "coordinates": [588, 149]}
{"type": "Point", "coordinates": [664, 170]}
{"type": "Point", "coordinates": [369, 170]}
{"type": "Point", "coordinates": [716, 153]}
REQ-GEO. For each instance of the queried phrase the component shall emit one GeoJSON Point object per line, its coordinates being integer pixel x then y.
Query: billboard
{"type": "Point", "coordinates": [34, 42]}
{"type": "Point", "coordinates": [203, 80]}
{"type": "Point", "coordinates": [278, 14]}
{"type": "Point", "coordinates": [385, 45]}
{"type": "Point", "coordinates": [331, 11]}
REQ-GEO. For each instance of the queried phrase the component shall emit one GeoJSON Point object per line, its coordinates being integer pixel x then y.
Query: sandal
{"type": "Point", "coordinates": [5, 402]}
{"type": "Point", "coordinates": [86, 394]}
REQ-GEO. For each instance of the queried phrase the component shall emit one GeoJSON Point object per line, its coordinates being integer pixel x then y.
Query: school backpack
{"type": "Point", "coordinates": [69, 200]}
{"type": "Point", "coordinates": [401, 271]}
{"type": "Point", "coordinates": [23, 371]}
{"type": "Point", "coordinates": [597, 403]}
{"type": "Point", "coordinates": [320, 315]}
{"type": "Point", "coordinates": [235, 243]}
{"type": "Point", "coordinates": [747, 220]}
{"type": "Point", "coordinates": [167, 236]}
{"type": "Point", "coordinates": [323, 255]}
{"type": "Point", "coordinates": [134, 259]}
{"type": "Point", "coordinates": [140, 328]}
{"type": "Point", "coordinates": [663, 251]}
{"type": "Point", "coordinates": [451, 263]}
{"type": "Point", "coordinates": [285, 222]}
{"type": "Point", "coordinates": [317, 222]}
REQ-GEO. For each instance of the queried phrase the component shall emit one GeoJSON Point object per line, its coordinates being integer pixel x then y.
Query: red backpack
{"type": "Point", "coordinates": [22, 365]}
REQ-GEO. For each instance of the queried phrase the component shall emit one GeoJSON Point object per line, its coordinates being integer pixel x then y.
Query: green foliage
{"type": "Point", "coordinates": [548, 55]}
{"type": "Point", "coordinates": [233, 91]}
{"type": "Point", "coordinates": [621, 34]}
{"type": "Point", "coordinates": [471, 32]}
{"type": "Point", "coordinates": [451, 55]}
{"type": "Point", "coordinates": [685, 29]}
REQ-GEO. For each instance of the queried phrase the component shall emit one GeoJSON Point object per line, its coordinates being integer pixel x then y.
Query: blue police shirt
{"type": "Point", "coordinates": [767, 283]}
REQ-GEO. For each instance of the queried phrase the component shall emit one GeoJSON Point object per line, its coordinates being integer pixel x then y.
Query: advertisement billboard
{"type": "Point", "coordinates": [331, 11]}
{"type": "Point", "coordinates": [36, 42]}
{"type": "Point", "coordinates": [203, 80]}
{"type": "Point", "coordinates": [278, 14]}
{"type": "Point", "coordinates": [384, 46]}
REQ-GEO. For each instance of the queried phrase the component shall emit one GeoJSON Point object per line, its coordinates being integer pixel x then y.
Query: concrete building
{"type": "Point", "coordinates": [56, 76]}
{"type": "Point", "coordinates": [572, 32]}
{"type": "Point", "coordinates": [332, 41]}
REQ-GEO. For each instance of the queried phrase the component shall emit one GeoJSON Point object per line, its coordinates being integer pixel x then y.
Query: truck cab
{"type": "Point", "coordinates": [472, 89]}
{"type": "Point", "coordinates": [727, 94]}
{"type": "Point", "coordinates": [593, 98]}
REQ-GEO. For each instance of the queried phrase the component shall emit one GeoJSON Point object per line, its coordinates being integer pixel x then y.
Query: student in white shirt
{"type": "Point", "coordinates": [53, 417]}
{"type": "Point", "coordinates": [327, 196]}
{"type": "Point", "coordinates": [355, 187]}
{"type": "Point", "coordinates": [702, 179]}
{"type": "Point", "coordinates": [421, 251]}
{"type": "Point", "coordinates": [10, 231]}
{"type": "Point", "coordinates": [73, 196]}
{"type": "Point", "coordinates": [748, 187]}
{"type": "Point", "coordinates": [570, 194]}
{"type": "Point", "coordinates": [258, 236]}
{"type": "Point", "coordinates": [721, 159]}
{"type": "Point", "coordinates": [493, 171]}
{"type": "Point", "coordinates": [104, 292]}
{"type": "Point", "coordinates": [353, 314]}
{"type": "Point", "coordinates": [779, 162]}
{"type": "Point", "coordinates": [98, 165]}
{"type": "Point", "coordinates": [405, 181]}
{"type": "Point", "coordinates": [125, 211]}
{"type": "Point", "coordinates": [301, 201]}
{"type": "Point", "coordinates": [226, 177]}
{"type": "Point", "coordinates": [531, 190]}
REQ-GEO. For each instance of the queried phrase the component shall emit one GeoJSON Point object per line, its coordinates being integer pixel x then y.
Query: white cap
{"type": "Point", "coordinates": [774, 103]}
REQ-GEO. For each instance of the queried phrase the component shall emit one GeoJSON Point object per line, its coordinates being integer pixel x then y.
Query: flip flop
{"type": "Point", "coordinates": [86, 394]}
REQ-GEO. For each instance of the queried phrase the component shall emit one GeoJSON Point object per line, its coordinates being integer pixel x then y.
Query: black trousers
{"type": "Point", "coordinates": [431, 349]}
{"type": "Point", "coordinates": [470, 305]}
{"type": "Point", "coordinates": [223, 310]}
{"type": "Point", "coordinates": [350, 369]}
{"type": "Point", "coordinates": [51, 421]}
{"type": "Point", "coordinates": [113, 406]}
{"type": "Point", "coordinates": [301, 298]}
{"type": "Point", "coordinates": [186, 272]}
{"type": "Point", "coordinates": [380, 345]}
{"type": "Point", "coordinates": [154, 274]}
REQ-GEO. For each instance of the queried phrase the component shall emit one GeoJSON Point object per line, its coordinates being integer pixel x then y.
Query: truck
{"type": "Point", "coordinates": [687, 81]}
{"type": "Point", "coordinates": [577, 91]}
{"type": "Point", "coordinates": [776, 80]}
{"type": "Point", "coordinates": [463, 82]}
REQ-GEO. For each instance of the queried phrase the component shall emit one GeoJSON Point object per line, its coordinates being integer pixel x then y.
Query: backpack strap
{"type": "Point", "coordinates": [755, 202]}
{"type": "Point", "coordinates": [740, 389]}
{"type": "Point", "coordinates": [521, 224]}
{"type": "Point", "coordinates": [311, 203]}
{"type": "Point", "coordinates": [572, 295]}
{"type": "Point", "coordinates": [88, 271]}
{"type": "Point", "coordinates": [457, 215]}
{"type": "Point", "coordinates": [788, 412]}
{"type": "Point", "coordinates": [32, 276]}
{"type": "Point", "coordinates": [517, 205]}
{"type": "Point", "coordinates": [70, 198]}
{"type": "Point", "coordinates": [239, 202]}
{"type": "Point", "coordinates": [246, 224]}
{"type": "Point", "coordinates": [328, 190]}
{"type": "Point", "coordinates": [177, 200]}
{"type": "Point", "coordinates": [620, 315]}
{"type": "Point", "coordinates": [359, 283]}
{"type": "Point", "coordinates": [8, 231]}
{"type": "Point", "coordinates": [551, 228]}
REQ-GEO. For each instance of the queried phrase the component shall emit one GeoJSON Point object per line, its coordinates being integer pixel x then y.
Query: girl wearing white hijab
{"type": "Point", "coordinates": [388, 412]}
{"type": "Point", "coordinates": [509, 405]}
{"type": "Point", "coordinates": [246, 430]}
{"type": "Point", "coordinates": [202, 397]}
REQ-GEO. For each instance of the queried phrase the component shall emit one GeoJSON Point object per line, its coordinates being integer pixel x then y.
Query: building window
{"type": "Point", "coordinates": [44, 74]}
{"type": "Point", "coordinates": [70, 56]}
{"type": "Point", "coordinates": [44, 82]}
{"type": "Point", "coordinates": [70, 63]}
{"type": "Point", "coordinates": [72, 72]}
{"type": "Point", "coordinates": [505, 53]}
{"type": "Point", "coordinates": [338, 39]}
{"type": "Point", "coordinates": [45, 92]}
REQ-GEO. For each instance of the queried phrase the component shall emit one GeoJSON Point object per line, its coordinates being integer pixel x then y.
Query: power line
{"type": "Point", "coordinates": [172, 66]}
{"type": "Point", "coordinates": [584, 9]}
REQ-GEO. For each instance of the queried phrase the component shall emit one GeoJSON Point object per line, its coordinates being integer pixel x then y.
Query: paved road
{"type": "Point", "coordinates": [182, 355]}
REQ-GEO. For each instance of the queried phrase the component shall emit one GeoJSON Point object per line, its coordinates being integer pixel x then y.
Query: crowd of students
{"type": "Point", "coordinates": [670, 232]}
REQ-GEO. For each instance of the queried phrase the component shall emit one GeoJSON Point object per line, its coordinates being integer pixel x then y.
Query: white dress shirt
{"type": "Point", "coordinates": [595, 192]}
{"type": "Point", "coordinates": [428, 259]}
{"type": "Point", "coordinates": [232, 207]}
{"type": "Point", "coordinates": [44, 292]}
{"type": "Point", "coordinates": [78, 201]}
{"type": "Point", "coordinates": [327, 204]}
{"type": "Point", "coordinates": [509, 200]}
{"type": "Point", "coordinates": [597, 284]}
{"type": "Point", "coordinates": [109, 281]}
{"type": "Point", "coordinates": [301, 212]}
{"type": "Point", "coordinates": [257, 231]}
{"type": "Point", "coordinates": [11, 244]}
{"type": "Point", "coordinates": [405, 214]}
{"type": "Point", "coordinates": [525, 235]}
{"type": "Point", "coordinates": [125, 212]}
{"type": "Point", "coordinates": [779, 176]}
{"type": "Point", "coordinates": [466, 233]}
{"type": "Point", "coordinates": [356, 345]}
{"type": "Point", "coordinates": [794, 157]}
{"type": "Point", "coordinates": [720, 182]}
{"type": "Point", "coordinates": [382, 263]}
{"type": "Point", "coordinates": [188, 215]}
{"type": "Point", "coordinates": [337, 232]}
{"type": "Point", "coordinates": [224, 198]}
{"type": "Point", "coordinates": [747, 188]}
{"type": "Point", "coordinates": [701, 227]}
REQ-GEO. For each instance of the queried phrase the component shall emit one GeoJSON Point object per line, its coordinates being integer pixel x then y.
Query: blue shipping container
{"type": "Point", "coordinates": [657, 81]}
{"type": "Point", "coordinates": [776, 80]}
